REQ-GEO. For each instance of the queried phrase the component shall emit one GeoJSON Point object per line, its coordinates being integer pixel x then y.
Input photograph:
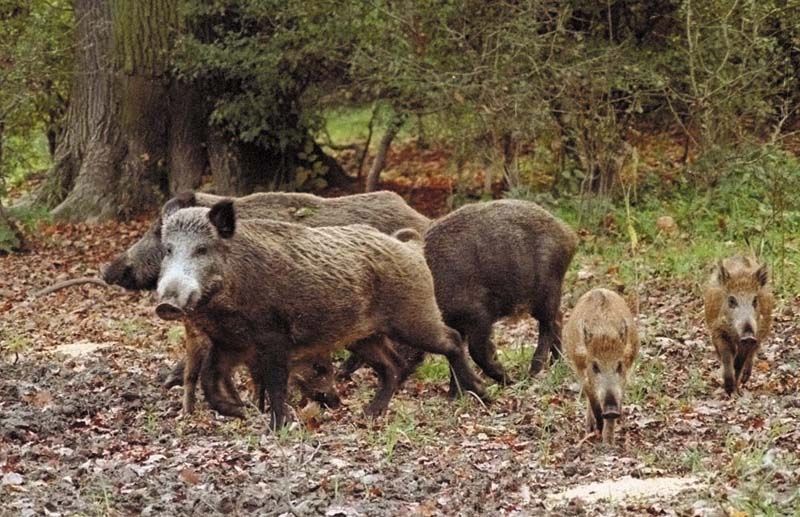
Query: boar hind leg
{"type": "Point", "coordinates": [385, 361]}
{"type": "Point", "coordinates": [547, 313]}
{"type": "Point", "coordinates": [478, 333]}
{"type": "Point", "coordinates": [442, 340]}
{"type": "Point", "coordinates": [216, 367]}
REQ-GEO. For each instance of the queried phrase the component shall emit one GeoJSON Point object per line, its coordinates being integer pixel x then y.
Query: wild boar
{"type": "Point", "coordinates": [138, 266]}
{"type": "Point", "coordinates": [738, 310]}
{"type": "Point", "coordinates": [287, 291]}
{"type": "Point", "coordinates": [601, 342]}
{"type": "Point", "coordinates": [488, 260]}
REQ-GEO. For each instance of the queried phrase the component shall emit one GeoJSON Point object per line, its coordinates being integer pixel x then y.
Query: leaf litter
{"type": "Point", "coordinates": [94, 433]}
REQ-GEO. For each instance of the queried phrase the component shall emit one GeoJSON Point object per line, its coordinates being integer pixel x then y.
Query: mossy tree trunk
{"type": "Point", "coordinates": [112, 157]}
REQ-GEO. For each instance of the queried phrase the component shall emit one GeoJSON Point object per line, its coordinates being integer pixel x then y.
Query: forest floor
{"type": "Point", "coordinates": [86, 429]}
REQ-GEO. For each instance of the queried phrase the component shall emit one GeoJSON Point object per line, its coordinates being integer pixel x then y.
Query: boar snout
{"type": "Point", "coordinates": [330, 400]}
{"type": "Point", "coordinates": [168, 311]}
{"type": "Point", "coordinates": [179, 294]}
{"type": "Point", "coordinates": [120, 273]}
{"type": "Point", "coordinates": [611, 409]}
{"type": "Point", "coordinates": [747, 335]}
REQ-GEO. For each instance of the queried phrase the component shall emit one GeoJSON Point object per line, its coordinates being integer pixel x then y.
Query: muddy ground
{"type": "Point", "coordinates": [94, 434]}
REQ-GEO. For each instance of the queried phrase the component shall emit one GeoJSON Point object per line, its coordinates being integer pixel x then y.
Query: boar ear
{"type": "Point", "coordinates": [722, 273]}
{"type": "Point", "coordinates": [182, 200]}
{"type": "Point", "coordinates": [763, 275]}
{"type": "Point", "coordinates": [223, 217]}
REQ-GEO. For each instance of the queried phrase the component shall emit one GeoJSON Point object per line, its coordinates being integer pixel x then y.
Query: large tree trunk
{"type": "Point", "coordinates": [111, 159]}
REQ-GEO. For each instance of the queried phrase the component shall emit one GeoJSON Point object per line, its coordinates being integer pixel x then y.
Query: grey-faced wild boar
{"type": "Point", "coordinates": [738, 310]}
{"type": "Point", "coordinates": [601, 343]}
{"type": "Point", "coordinates": [138, 266]}
{"type": "Point", "coordinates": [288, 291]}
{"type": "Point", "coordinates": [488, 260]}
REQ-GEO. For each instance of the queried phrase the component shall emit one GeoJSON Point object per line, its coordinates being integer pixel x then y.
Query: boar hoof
{"type": "Point", "coordinates": [536, 366]}
{"type": "Point", "coordinates": [374, 410]}
{"type": "Point", "coordinates": [171, 381]}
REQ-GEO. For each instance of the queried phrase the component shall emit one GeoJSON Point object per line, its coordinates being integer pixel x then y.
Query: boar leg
{"type": "Point", "coordinates": [442, 340]}
{"type": "Point", "coordinates": [217, 366]}
{"type": "Point", "coordinates": [747, 367]}
{"type": "Point", "coordinates": [608, 430]}
{"type": "Point", "coordinates": [275, 382]}
{"type": "Point", "coordinates": [726, 356]}
{"type": "Point", "coordinates": [478, 333]}
{"type": "Point", "coordinates": [546, 312]}
{"type": "Point", "coordinates": [594, 416]}
{"type": "Point", "coordinates": [175, 377]}
{"type": "Point", "coordinates": [350, 366]}
{"type": "Point", "coordinates": [385, 361]}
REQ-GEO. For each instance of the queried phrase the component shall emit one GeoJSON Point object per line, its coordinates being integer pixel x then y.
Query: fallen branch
{"type": "Point", "coordinates": [69, 283]}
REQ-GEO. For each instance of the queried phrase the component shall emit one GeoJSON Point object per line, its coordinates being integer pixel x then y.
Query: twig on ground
{"type": "Point", "coordinates": [69, 283]}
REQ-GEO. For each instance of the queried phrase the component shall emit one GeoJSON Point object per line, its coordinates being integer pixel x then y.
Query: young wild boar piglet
{"type": "Point", "coordinates": [138, 266]}
{"type": "Point", "coordinates": [738, 310]}
{"type": "Point", "coordinates": [288, 291]}
{"type": "Point", "coordinates": [601, 343]}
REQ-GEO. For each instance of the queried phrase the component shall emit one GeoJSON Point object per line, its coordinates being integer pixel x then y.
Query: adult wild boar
{"type": "Point", "coordinates": [290, 291]}
{"type": "Point", "coordinates": [488, 260]}
{"type": "Point", "coordinates": [738, 310]}
{"type": "Point", "coordinates": [601, 343]}
{"type": "Point", "coordinates": [138, 266]}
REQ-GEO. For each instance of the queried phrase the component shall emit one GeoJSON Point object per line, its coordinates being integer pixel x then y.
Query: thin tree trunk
{"type": "Point", "coordinates": [383, 149]}
{"type": "Point", "coordinates": [4, 217]}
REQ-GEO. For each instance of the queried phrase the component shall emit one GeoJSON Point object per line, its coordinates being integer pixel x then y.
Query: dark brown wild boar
{"type": "Point", "coordinates": [138, 266]}
{"type": "Point", "coordinates": [601, 343]}
{"type": "Point", "coordinates": [488, 260]}
{"type": "Point", "coordinates": [738, 309]}
{"type": "Point", "coordinates": [287, 291]}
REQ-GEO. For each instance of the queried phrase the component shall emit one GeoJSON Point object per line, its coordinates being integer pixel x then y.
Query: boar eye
{"type": "Point", "coordinates": [595, 367]}
{"type": "Point", "coordinates": [755, 302]}
{"type": "Point", "coordinates": [319, 369]}
{"type": "Point", "coordinates": [168, 249]}
{"type": "Point", "coordinates": [619, 367]}
{"type": "Point", "coordinates": [732, 302]}
{"type": "Point", "coordinates": [201, 250]}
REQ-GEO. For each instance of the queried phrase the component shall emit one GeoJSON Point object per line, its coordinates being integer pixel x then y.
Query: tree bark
{"type": "Point", "coordinates": [188, 157]}
{"type": "Point", "coordinates": [110, 161]}
{"type": "Point", "coordinates": [383, 149]}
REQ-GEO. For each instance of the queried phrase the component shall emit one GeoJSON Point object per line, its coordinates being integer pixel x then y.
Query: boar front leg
{"type": "Point", "coordinates": [725, 351]}
{"type": "Point", "coordinates": [548, 314]}
{"type": "Point", "coordinates": [594, 415]}
{"type": "Point", "coordinates": [217, 366]}
{"type": "Point", "coordinates": [747, 367]}
{"type": "Point", "coordinates": [608, 430]}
